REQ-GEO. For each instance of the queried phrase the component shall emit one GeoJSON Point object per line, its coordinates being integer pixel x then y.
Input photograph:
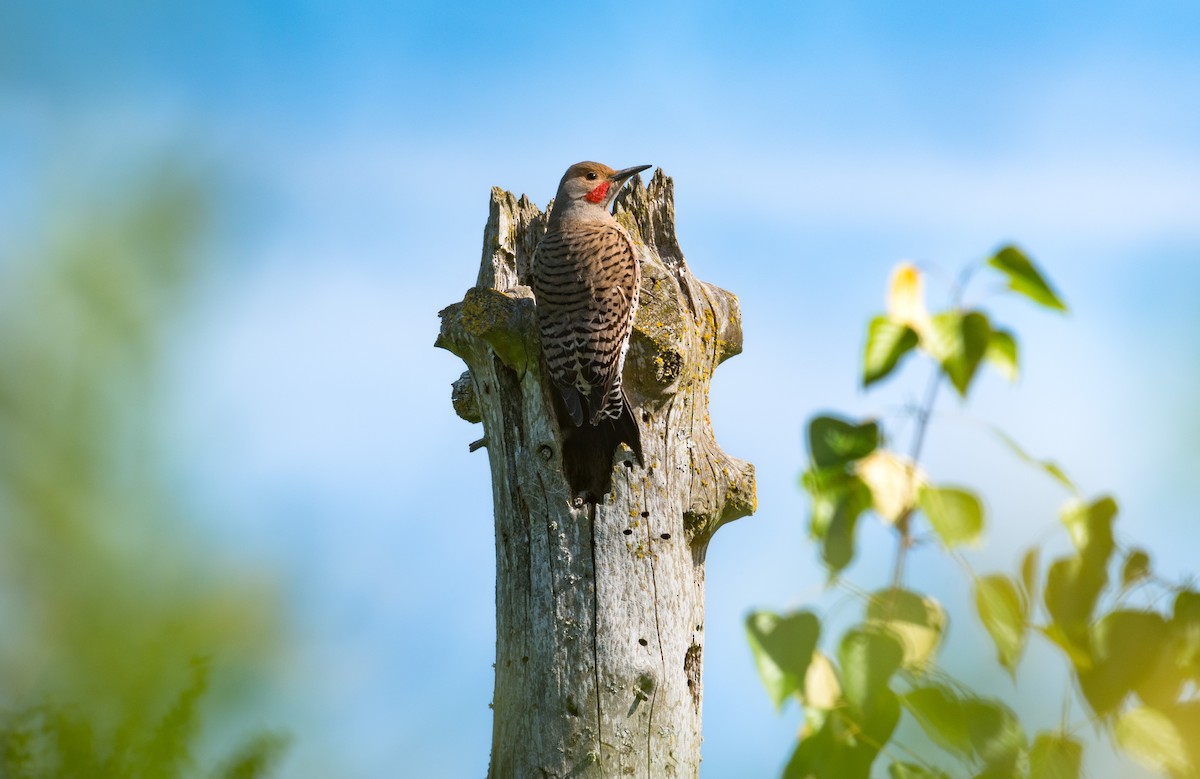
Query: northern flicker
{"type": "Point", "coordinates": [585, 280]}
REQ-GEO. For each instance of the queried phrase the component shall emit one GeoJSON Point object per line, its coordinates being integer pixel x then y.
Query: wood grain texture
{"type": "Point", "coordinates": [600, 610]}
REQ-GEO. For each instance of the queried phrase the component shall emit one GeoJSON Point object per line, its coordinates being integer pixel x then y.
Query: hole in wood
{"type": "Point", "coordinates": [546, 452]}
{"type": "Point", "coordinates": [627, 532]}
{"type": "Point", "coordinates": [665, 536]}
{"type": "Point", "coordinates": [646, 416]}
{"type": "Point", "coordinates": [645, 514]}
{"type": "Point", "coordinates": [643, 641]}
{"type": "Point", "coordinates": [629, 463]}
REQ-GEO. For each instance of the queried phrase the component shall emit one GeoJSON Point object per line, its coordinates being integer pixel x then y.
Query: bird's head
{"type": "Point", "coordinates": [588, 185]}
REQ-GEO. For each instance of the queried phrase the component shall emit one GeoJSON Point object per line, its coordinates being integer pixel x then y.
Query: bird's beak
{"type": "Point", "coordinates": [621, 175]}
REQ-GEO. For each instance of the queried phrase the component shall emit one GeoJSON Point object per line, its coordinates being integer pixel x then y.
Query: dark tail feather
{"type": "Point", "coordinates": [588, 453]}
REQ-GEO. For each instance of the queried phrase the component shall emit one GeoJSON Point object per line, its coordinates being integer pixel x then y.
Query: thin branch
{"type": "Point", "coordinates": [903, 525]}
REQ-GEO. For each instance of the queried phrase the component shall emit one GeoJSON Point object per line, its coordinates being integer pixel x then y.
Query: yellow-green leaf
{"type": "Point", "coordinates": [1135, 568]}
{"type": "Point", "coordinates": [996, 734]}
{"type": "Point", "coordinates": [821, 687]}
{"type": "Point", "coordinates": [1073, 585]}
{"type": "Point", "coordinates": [1090, 527]}
{"type": "Point", "coordinates": [1078, 655]}
{"type": "Point", "coordinates": [1126, 646]}
{"type": "Point", "coordinates": [956, 514]}
{"type": "Point", "coordinates": [867, 658]}
{"type": "Point", "coordinates": [1151, 739]}
{"type": "Point", "coordinates": [913, 771]}
{"type": "Point", "coordinates": [941, 715]}
{"type": "Point", "coordinates": [917, 622]}
{"type": "Point", "coordinates": [1049, 467]}
{"type": "Point", "coordinates": [1029, 579]}
{"type": "Point", "coordinates": [1002, 354]}
{"type": "Point", "coordinates": [1055, 756]}
{"type": "Point", "coordinates": [893, 482]}
{"type": "Point", "coordinates": [1000, 608]}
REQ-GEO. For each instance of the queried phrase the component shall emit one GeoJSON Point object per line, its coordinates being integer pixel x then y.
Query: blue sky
{"type": "Point", "coordinates": [812, 145]}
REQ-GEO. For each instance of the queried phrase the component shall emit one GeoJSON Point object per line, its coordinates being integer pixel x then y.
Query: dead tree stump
{"type": "Point", "coordinates": [599, 609]}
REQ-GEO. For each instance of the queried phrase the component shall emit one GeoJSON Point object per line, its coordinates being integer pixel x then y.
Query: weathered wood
{"type": "Point", "coordinates": [600, 609]}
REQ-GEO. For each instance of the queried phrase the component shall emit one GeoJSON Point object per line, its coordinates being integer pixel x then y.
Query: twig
{"type": "Point", "coordinates": [903, 526]}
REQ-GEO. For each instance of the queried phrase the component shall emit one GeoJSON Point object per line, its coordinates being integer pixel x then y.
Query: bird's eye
{"type": "Point", "coordinates": [591, 176]}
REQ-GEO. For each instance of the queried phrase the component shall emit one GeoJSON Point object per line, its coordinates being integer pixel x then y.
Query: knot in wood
{"type": "Point", "coordinates": [464, 400]}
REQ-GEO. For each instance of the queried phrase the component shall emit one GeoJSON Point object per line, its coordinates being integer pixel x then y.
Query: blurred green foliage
{"type": "Point", "coordinates": [1133, 669]}
{"type": "Point", "coordinates": [115, 615]}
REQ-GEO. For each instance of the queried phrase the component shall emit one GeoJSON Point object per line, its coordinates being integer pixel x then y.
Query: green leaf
{"type": "Point", "coordinates": [888, 340]}
{"type": "Point", "coordinates": [783, 648]}
{"type": "Point", "coordinates": [1048, 466]}
{"type": "Point", "coordinates": [1126, 646]}
{"type": "Point", "coordinates": [959, 341]}
{"type": "Point", "coordinates": [1152, 739]}
{"type": "Point", "coordinates": [1002, 353]}
{"type": "Point", "coordinates": [1135, 568]}
{"type": "Point", "coordinates": [838, 499]}
{"type": "Point", "coordinates": [915, 621]}
{"type": "Point", "coordinates": [1000, 609]}
{"type": "Point", "coordinates": [956, 514]}
{"type": "Point", "coordinates": [820, 754]}
{"type": "Point", "coordinates": [877, 724]}
{"type": "Point", "coordinates": [1024, 278]}
{"type": "Point", "coordinates": [833, 441]}
{"type": "Point", "coordinates": [913, 771]}
{"type": "Point", "coordinates": [1055, 756]}
{"type": "Point", "coordinates": [941, 715]}
{"type": "Point", "coordinates": [868, 659]}
{"type": "Point", "coordinates": [1090, 527]}
{"type": "Point", "coordinates": [995, 734]}
{"type": "Point", "coordinates": [841, 748]}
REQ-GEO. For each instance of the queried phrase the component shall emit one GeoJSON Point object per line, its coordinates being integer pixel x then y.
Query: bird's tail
{"type": "Point", "coordinates": [588, 452]}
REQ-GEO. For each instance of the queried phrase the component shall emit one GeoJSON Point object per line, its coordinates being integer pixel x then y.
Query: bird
{"type": "Point", "coordinates": [586, 278]}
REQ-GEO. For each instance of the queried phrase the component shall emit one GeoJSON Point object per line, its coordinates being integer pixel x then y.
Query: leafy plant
{"type": "Point", "coordinates": [63, 741]}
{"type": "Point", "coordinates": [106, 590]}
{"type": "Point", "coordinates": [1133, 669]}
